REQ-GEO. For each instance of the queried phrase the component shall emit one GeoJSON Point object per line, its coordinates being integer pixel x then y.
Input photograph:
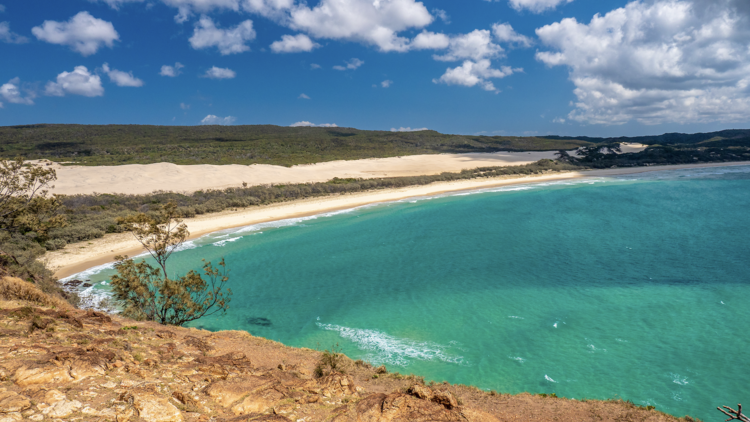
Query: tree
{"type": "Point", "coordinates": [24, 202]}
{"type": "Point", "coordinates": [147, 293]}
{"type": "Point", "coordinates": [734, 414]}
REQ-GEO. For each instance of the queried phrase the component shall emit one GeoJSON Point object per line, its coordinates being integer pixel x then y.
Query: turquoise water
{"type": "Point", "coordinates": [633, 287]}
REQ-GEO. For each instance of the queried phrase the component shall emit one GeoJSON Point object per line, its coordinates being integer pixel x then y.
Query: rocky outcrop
{"type": "Point", "coordinates": [88, 366]}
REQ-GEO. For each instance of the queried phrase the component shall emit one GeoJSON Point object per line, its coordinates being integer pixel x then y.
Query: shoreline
{"type": "Point", "coordinates": [79, 257]}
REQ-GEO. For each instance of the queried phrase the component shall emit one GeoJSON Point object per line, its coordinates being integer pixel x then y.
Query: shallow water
{"type": "Point", "coordinates": [633, 287]}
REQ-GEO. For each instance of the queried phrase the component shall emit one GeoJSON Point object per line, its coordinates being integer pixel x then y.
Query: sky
{"type": "Point", "coordinates": [478, 67]}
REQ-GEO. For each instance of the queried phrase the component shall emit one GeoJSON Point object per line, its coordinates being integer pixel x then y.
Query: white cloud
{"type": "Point", "coordinates": [294, 44]}
{"type": "Point", "coordinates": [219, 73]}
{"type": "Point", "coordinates": [655, 62]}
{"type": "Point", "coordinates": [83, 33]}
{"type": "Point", "coordinates": [185, 8]}
{"type": "Point", "coordinates": [430, 41]}
{"type": "Point", "coordinates": [476, 45]}
{"type": "Point", "coordinates": [352, 64]}
{"type": "Point", "coordinates": [115, 4]}
{"type": "Point", "coordinates": [408, 129]}
{"type": "Point", "coordinates": [8, 36]}
{"type": "Point", "coordinates": [185, 106]}
{"type": "Point", "coordinates": [504, 32]}
{"type": "Point", "coordinates": [171, 71]}
{"type": "Point", "coordinates": [303, 97]}
{"type": "Point", "coordinates": [2, 8]}
{"type": "Point", "coordinates": [442, 14]}
{"type": "Point", "coordinates": [309, 124]}
{"type": "Point", "coordinates": [11, 92]}
{"type": "Point", "coordinates": [121, 78]}
{"type": "Point", "coordinates": [215, 120]}
{"type": "Point", "coordinates": [373, 22]}
{"type": "Point", "coordinates": [386, 83]}
{"type": "Point", "coordinates": [268, 8]}
{"type": "Point", "coordinates": [536, 6]}
{"type": "Point", "coordinates": [475, 73]}
{"type": "Point", "coordinates": [228, 41]}
{"type": "Point", "coordinates": [78, 82]}
{"type": "Point", "coordinates": [314, 66]}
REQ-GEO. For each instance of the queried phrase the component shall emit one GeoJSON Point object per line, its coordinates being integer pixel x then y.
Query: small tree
{"type": "Point", "coordinates": [147, 293]}
{"type": "Point", "coordinates": [24, 202]}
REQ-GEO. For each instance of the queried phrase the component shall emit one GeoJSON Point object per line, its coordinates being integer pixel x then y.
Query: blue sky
{"type": "Point", "coordinates": [504, 67]}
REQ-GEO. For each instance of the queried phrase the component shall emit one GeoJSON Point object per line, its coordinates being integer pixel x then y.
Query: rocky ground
{"type": "Point", "coordinates": [73, 365]}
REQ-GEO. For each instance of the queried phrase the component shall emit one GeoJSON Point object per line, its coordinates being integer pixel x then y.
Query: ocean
{"type": "Point", "coordinates": [634, 287]}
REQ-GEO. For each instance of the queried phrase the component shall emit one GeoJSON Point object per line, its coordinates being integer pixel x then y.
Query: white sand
{"type": "Point", "coordinates": [146, 178]}
{"type": "Point", "coordinates": [78, 257]}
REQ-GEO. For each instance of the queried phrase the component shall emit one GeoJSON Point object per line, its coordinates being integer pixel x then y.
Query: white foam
{"type": "Point", "coordinates": [392, 350]}
{"type": "Point", "coordinates": [83, 275]}
{"type": "Point", "coordinates": [515, 317]}
{"type": "Point", "coordinates": [679, 380]}
{"type": "Point", "coordinates": [549, 379]}
{"type": "Point", "coordinates": [221, 243]}
{"type": "Point", "coordinates": [517, 359]}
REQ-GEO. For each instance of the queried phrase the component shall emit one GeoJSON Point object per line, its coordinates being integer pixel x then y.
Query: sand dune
{"type": "Point", "coordinates": [146, 178]}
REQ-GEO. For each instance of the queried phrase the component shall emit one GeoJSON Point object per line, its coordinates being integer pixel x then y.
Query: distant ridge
{"type": "Point", "coordinates": [734, 135]}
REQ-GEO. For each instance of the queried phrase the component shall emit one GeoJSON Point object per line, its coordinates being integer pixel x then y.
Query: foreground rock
{"type": "Point", "coordinates": [74, 365]}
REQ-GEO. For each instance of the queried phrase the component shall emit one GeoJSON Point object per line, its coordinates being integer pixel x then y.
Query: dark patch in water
{"type": "Point", "coordinates": [263, 322]}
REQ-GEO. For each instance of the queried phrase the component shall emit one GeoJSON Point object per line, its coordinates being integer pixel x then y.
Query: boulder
{"type": "Point", "coordinates": [11, 402]}
{"type": "Point", "coordinates": [62, 409]}
{"type": "Point", "coordinates": [25, 376]}
{"type": "Point", "coordinates": [151, 406]}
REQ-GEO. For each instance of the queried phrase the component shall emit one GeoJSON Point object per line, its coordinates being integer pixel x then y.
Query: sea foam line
{"type": "Point", "coordinates": [392, 350]}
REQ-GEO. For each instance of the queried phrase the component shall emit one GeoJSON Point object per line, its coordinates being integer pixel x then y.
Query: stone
{"type": "Point", "coordinates": [446, 399]}
{"type": "Point", "coordinates": [251, 404]}
{"type": "Point", "coordinates": [10, 417]}
{"type": "Point", "coordinates": [421, 392]}
{"type": "Point", "coordinates": [25, 376]}
{"type": "Point", "coordinates": [62, 409]}
{"type": "Point", "coordinates": [225, 393]}
{"type": "Point", "coordinates": [11, 402]}
{"type": "Point", "coordinates": [151, 406]}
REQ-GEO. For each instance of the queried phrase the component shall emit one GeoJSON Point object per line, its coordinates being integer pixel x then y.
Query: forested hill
{"type": "Point", "coordinates": [266, 144]}
{"type": "Point", "coordinates": [731, 137]}
{"type": "Point", "coordinates": [131, 144]}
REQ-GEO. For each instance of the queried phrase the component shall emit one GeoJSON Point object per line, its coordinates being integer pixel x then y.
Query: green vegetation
{"type": "Point", "coordinates": [331, 361]}
{"type": "Point", "coordinates": [147, 293]}
{"type": "Point", "coordinates": [27, 214]}
{"type": "Point", "coordinates": [286, 146]}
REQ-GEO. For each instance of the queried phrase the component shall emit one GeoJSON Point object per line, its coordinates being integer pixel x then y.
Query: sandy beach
{"type": "Point", "coordinates": [78, 257]}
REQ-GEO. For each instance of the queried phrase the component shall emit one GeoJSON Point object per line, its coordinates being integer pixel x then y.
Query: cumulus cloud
{"type": "Point", "coordinates": [373, 22]}
{"type": "Point", "coordinates": [476, 45]}
{"type": "Point", "coordinates": [655, 62]}
{"type": "Point", "coordinates": [83, 33]}
{"type": "Point", "coordinates": [228, 41]}
{"type": "Point", "coordinates": [314, 66]}
{"type": "Point", "coordinates": [408, 129]}
{"type": "Point", "coordinates": [10, 37]}
{"type": "Point", "coordinates": [171, 71]}
{"type": "Point", "coordinates": [475, 74]}
{"type": "Point", "coordinates": [303, 97]}
{"type": "Point", "coordinates": [294, 44]}
{"type": "Point", "coordinates": [386, 83]}
{"type": "Point", "coordinates": [504, 32]}
{"type": "Point", "coordinates": [185, 8]}
{"type": "Point", "coordinates": [216, 120]}
{"type": "Point", "coordinates": [11, 92]}
{"type": "Point", "coordinates": [121, 78]}
{"type": "Point", "coordinates": [352, 64]}
{"type": "Point", "coordinates": [536, 6]}
{"type": "Point", "coordinates": [78, 82]}
{"type": "Point", "coordinates": [219, 73]}
{"type": "Point", "coordinates": [115, 4]}
{"type": "Point", "coordinates": [305, 123]}
{"type": "Point", "coordinates": [430, 41]}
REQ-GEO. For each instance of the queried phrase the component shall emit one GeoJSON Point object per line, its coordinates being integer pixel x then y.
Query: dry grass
{"type": "Point", "coordinates": [12, 288]}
